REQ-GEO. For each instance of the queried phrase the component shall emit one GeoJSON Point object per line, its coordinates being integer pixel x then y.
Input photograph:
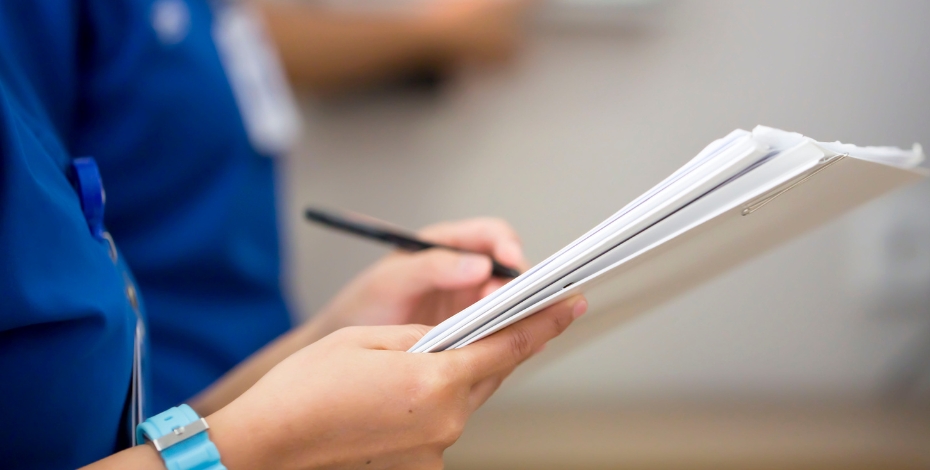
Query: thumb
{"type": "Point", "coordinates": [424, 271]}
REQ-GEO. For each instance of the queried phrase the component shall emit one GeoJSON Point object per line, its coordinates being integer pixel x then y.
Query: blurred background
{"type": "Point", "coordinates": [812, 355]}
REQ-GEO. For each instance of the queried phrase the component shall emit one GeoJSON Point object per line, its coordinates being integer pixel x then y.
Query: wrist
{"type": "Point", "coordinates": [239, 442]}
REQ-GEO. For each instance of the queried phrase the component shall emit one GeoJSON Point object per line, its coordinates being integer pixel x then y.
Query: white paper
{"type": "Point", "coordinates": [729, 172]}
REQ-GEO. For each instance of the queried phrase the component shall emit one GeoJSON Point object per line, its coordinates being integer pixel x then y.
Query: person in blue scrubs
{"type": "Point", "coordinates": [71, 323]}
{"type": "Point", "coordinates": [71, 318]}
{"type": "Point", "coordinates": [76, 79]}
{"type": "Point", "coordinates": [191, 199]}
{"type": "Point", "coordinates": [160, 93]}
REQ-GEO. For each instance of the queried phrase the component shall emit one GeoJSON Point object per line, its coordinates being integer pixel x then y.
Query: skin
{"type": "Point", "coordinates": [403, 288]}
{"type": "Point", "coordinates": [329, 51]}
{"type": "Point", "coordinates": [333, 394]}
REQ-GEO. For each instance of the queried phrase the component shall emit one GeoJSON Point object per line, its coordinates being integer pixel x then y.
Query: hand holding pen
{"type": "Point", "coordinates": [425, 286]}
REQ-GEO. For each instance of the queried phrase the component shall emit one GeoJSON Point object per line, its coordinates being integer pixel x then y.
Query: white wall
{"type": "Point", "coordinates": [592, 116]}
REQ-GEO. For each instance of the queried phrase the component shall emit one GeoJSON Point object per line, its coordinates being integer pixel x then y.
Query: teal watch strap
{"type": "Point", "coordinates": [181, 438]}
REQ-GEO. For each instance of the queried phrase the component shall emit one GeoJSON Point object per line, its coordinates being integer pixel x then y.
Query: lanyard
{"type": "Point", "coordinates": [89, 186]}
{"type": "Point", "coordinates": [137, 389]}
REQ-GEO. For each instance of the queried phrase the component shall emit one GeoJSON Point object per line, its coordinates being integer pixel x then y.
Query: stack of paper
{"type": "Point", "coordinates": [738, 174]}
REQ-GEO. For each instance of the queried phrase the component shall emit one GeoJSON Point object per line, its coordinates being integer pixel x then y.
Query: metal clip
{"type": "Point", "coordinates": [824, 163]}
{"type": "Point", "coordinates": [180, 434]}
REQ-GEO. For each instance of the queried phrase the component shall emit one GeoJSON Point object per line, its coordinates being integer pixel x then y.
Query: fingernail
{"type": "Point", "coordinates": [472, 265]}
{"type": "Point", "coordinates": [580, 308]}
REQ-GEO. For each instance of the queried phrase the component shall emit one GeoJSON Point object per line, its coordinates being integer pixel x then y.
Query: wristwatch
{"type": "Point", "coordinates": [180, 436]}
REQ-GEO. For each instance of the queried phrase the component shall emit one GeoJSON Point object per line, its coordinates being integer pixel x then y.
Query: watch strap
{"type": "Point", "coordinates": [180, 435]}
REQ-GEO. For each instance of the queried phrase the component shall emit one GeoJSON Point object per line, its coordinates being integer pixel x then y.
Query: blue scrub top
{"type": "Point", "coordinates": [190, 201]}
{"type": "Point", "coordinates": [66, 322]}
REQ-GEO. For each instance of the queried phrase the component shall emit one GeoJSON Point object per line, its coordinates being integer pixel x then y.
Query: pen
{"type": "Point", "coordinates": [398, 238]}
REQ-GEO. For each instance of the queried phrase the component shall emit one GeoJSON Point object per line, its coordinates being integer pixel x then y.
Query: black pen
{"type": "Point", "coordinates": [399, 239]}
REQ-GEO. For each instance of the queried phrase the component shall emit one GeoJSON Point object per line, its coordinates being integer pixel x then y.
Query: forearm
{"type": "Point", "coordinates": [139, 457]}
{"type": "Point", "coordinates": [329, 50]}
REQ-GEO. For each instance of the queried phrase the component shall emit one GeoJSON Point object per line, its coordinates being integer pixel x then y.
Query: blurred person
{"type": "Point", "coordinates": [184, 106]}
{"type": "Point", "coordinates": [142, 87]}
{"type": "Point", "coordinates": [333, 50]}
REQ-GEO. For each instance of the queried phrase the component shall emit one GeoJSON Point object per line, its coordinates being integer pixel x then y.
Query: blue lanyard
{"type": "Point", "coordinates": [86, 179]}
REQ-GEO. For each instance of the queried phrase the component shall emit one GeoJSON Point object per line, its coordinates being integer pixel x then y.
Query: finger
{"type": "Point", "coordinates": [509, 347]}
{"type": "Point", "coordinates": [484, 235]}
{"type": "Point", "coordinates": [390, 338]}
{"type": "Point", "coordinates": [407, 275]}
